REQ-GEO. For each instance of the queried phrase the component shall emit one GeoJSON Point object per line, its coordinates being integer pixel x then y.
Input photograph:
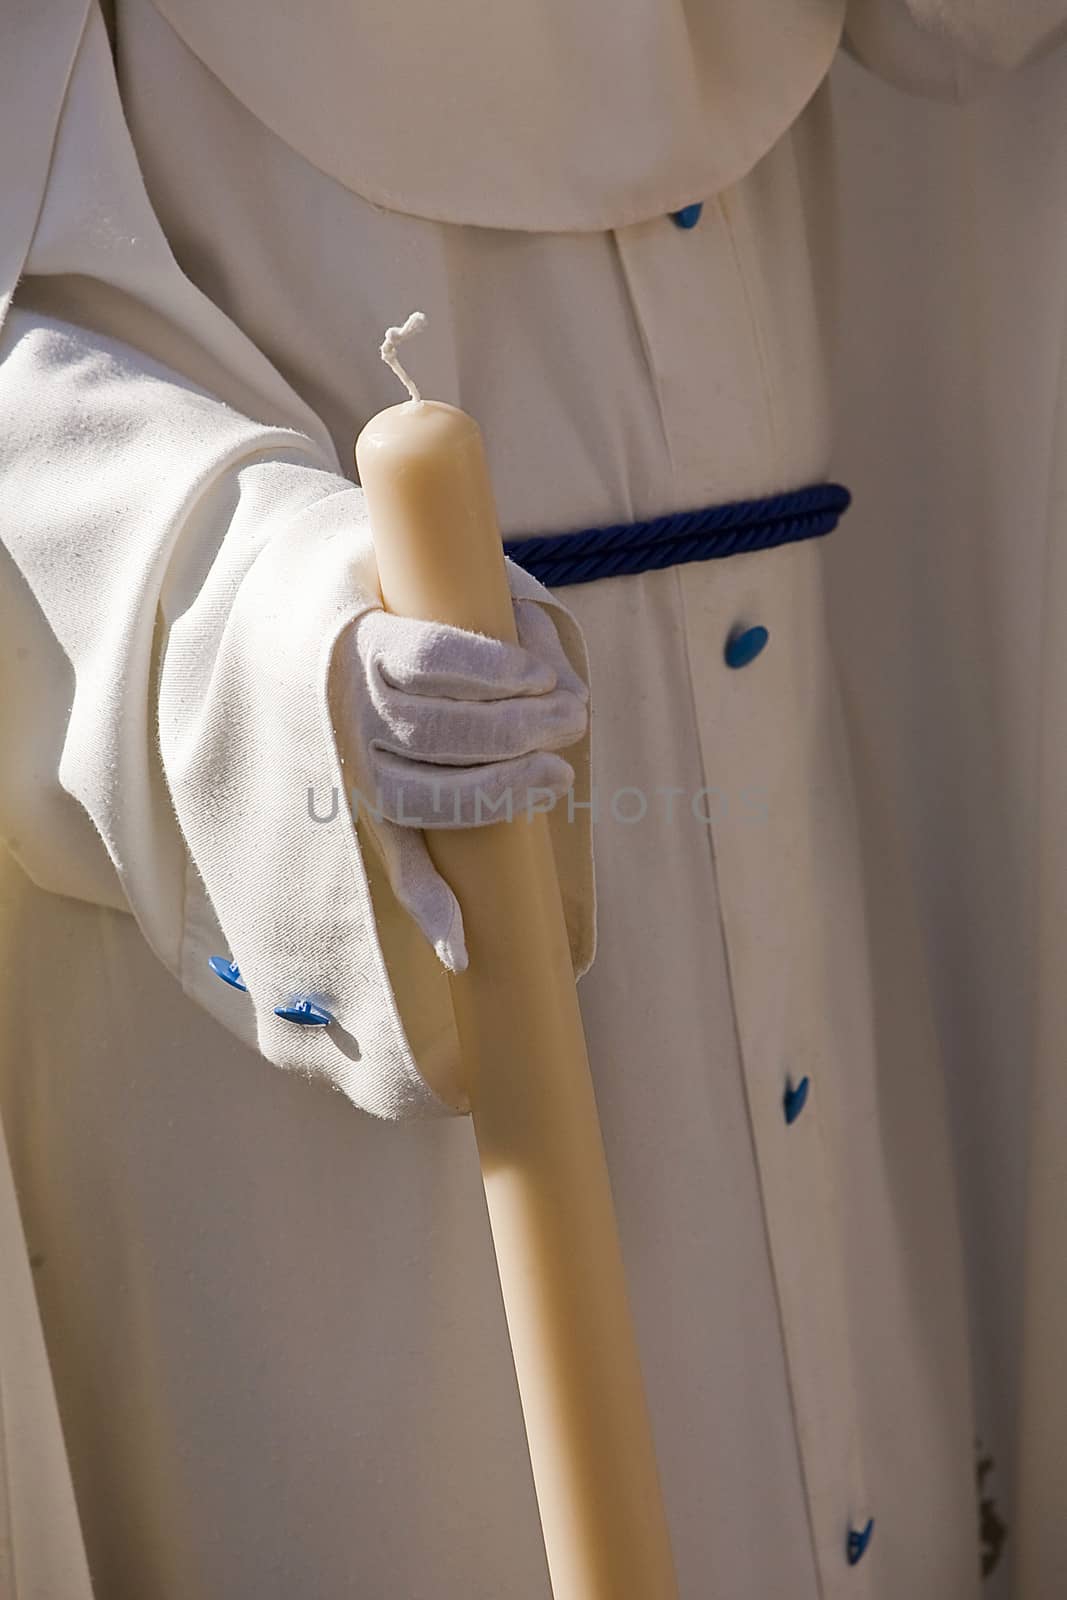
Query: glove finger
{"type": "Point", "coordinates": [467, 733]}
{"type": "Point", "coordinates": [414, 795]}
{"type": "Point", "coordinates": [423, 892]}
{"type": "Point", "coordinates": [433, 659]}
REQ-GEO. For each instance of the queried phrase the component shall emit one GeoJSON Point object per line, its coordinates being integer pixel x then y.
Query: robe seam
{"type": "Point", "coordinates": [646, 350]}
{"type": "Point", "coordinates": [755, 323]}
{"type": "Point", "coordinates": [783, 1340]}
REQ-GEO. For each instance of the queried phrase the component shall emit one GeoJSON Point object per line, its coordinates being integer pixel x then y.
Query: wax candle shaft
{"type": "Point", "coordinates": [439, 554]}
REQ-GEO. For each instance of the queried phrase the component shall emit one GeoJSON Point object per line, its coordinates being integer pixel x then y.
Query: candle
{"type": "Point", "coordinates": [526, 1072]}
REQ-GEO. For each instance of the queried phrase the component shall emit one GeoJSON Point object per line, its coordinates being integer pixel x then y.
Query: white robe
{"type": "Point", "coordinates": [946, 608]}
{"type": "Point", "coordinates": [273, 1320]}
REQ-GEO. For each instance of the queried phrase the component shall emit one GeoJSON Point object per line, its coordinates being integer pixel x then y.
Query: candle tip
{"type": "Point", "coordinates": [414, 324]}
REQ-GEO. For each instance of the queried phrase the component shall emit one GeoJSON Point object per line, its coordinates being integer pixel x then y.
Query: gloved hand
{"type": "Point", "coordinates": [449, 729]}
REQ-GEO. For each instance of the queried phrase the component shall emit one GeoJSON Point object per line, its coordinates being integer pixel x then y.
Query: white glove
{"type": "Point", "coordinates": [448, 729]}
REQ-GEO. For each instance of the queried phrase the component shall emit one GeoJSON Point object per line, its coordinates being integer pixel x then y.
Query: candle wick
{"type": "Point", "coordinates": [415, 324]}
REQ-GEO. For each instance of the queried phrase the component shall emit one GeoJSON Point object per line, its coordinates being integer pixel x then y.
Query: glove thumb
{"type": "Point", "coordinates": [423, 892]}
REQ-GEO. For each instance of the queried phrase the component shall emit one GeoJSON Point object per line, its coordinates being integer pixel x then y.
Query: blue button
{"type": "Point", "coordinates": [304, 1012]}
{"type": "Point", "coordinates": [689, 216]}
{"type": "Point", "coordinates": [228, 971]}
{"type": "Point", "coordinates": [745, 646]}
{"type": "Point", "coordinates": [794, 1100]}
{"type": "Point", "coordinates": [858, 1542]}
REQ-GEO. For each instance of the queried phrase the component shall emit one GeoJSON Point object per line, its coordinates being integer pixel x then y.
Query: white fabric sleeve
{"type": "Point", "coordinates": [180, 554]}
{"type": "Point", "coordinates": [951, 49]}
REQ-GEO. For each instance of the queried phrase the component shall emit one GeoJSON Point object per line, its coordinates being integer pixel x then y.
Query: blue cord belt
{"type": "Point", "coordinates": [702, 535]}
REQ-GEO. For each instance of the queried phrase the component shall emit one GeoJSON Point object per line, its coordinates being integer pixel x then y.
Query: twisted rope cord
{"type": "Point", "coordinates": [708, 533]}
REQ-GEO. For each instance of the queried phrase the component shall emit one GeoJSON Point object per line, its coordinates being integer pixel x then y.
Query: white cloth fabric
{"type": "Point", "coordinates": [952, 49]}
{"type": "Point", "coordinates": [273, 1321]}
{"type": "Point", "coordinates": [249, 628]}
{"type": "Point", "coordinates": [946, 609]}
{"type": "Point", "coordinates": [42, 1553]}
{"type": "Point", "coordinates": [441, 728]}
{"type": "Point", "coordinates": [548, 117]}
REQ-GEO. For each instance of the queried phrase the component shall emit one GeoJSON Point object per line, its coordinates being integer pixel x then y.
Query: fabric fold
{"type": "Point", "coordinates": [536, 118]}
{"type": "Point", "coordinates": [181, 554]}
